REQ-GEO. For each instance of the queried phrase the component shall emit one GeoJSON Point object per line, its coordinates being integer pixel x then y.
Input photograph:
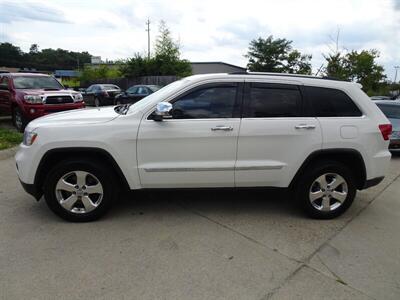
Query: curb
{"type": "Point", "coordinates": [7, 153]}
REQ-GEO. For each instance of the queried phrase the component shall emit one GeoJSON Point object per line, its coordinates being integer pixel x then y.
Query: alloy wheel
{"type": "Point", "coordinates": [79, 192]}
{"type": "Point", "coordinates": [328, 192]}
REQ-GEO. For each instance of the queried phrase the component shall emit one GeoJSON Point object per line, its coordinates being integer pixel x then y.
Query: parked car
{"type": "Point", "coordinates": [27, 96]}
{"type": "Point", "coordinates": [135, 93]}
{"type": "Point", "coordinates": [377, 98]}
{"type": "Point", "coordinates": [391, 109]}
{"type": "Point", "coordinates": [322, 139]}
{"type": "Point", "coordinates": [101, 94]}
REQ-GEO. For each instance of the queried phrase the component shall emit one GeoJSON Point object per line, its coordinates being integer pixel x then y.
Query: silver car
{"type": "Point", "coordinates": [392, 111]}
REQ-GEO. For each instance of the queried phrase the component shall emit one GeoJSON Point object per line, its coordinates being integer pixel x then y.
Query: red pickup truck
{"type": "Point", "coordinates": [27, 96]}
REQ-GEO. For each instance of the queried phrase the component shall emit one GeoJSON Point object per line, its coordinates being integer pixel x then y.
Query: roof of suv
{"type": "Point", "coordinates": [291, 78]}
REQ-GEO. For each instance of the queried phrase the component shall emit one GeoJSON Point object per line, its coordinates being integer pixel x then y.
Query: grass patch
{"type": "Point", "coordinates": [9, 138]}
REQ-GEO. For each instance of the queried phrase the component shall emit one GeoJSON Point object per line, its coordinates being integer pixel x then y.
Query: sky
{"type": "Point", "coordinates": [207, 30]}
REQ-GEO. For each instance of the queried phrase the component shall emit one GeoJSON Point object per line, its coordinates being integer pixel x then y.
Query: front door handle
{"type": "Point", "coordinates": [305, 126]}
{"type": "Point", "coordinates": [223, 128]}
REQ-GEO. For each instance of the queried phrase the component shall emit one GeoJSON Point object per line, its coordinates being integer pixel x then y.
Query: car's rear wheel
{"type": "Point", "coordinates": [18, 119]}
{"type": "Point", "coordinates": [79, 190]}
{"type": "Point", "coordinates": [326, 190]}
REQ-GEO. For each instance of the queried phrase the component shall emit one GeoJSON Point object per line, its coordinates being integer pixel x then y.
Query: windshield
{"type": "Point", "coordinates": [36, 82]}
{"type": "Point", "coordinates": [390, 111]}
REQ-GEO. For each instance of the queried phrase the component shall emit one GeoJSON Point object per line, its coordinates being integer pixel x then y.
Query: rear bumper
{"type": "Point", "coordinates": [372, 182]}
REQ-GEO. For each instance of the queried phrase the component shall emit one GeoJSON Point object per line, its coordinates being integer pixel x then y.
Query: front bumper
{"type": "Point", "coordinates": [33, 111]}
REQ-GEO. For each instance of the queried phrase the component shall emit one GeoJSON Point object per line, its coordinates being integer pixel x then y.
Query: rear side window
{"type": "Point", "coordinates": [273, 101]}
{"type": "Point", "coordinates": [328, 102]}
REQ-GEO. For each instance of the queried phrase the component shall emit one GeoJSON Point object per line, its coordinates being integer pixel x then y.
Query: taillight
{"type": "Point", "coordinates": [386, 130]}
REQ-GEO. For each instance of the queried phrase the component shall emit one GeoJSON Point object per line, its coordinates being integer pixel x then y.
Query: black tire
{"type": "Point", "coordinates": [18, 119]}
{"type": "Point", "coordinates": [307, 184]}
{"type": "Point", "coordinates": [101, 173]}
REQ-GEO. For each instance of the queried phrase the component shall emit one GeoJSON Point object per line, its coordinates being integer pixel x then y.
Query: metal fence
{"type": "Point", "coordinates": [125, 83]}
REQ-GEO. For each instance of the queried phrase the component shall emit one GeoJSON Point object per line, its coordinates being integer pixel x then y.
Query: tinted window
{"type": "Point", "coordinates": [212, 102]}
{"type": "Point", "coordinates": [269, 101]}
{"type": "Point", "coordinates": [142, 91]}
{"type": "Point", "coordinates": [390, 111]}
{"type": "Point", "coordinates": [132, 90]}
{"type": "Point", "coordinates": [331, 103]}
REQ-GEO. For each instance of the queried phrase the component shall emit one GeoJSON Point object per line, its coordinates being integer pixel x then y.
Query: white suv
{"type": "Point", "coordinates": [322, 138]}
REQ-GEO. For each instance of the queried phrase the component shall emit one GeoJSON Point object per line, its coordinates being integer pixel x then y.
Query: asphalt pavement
{"type": "Point", "coordinates": [201, 245]}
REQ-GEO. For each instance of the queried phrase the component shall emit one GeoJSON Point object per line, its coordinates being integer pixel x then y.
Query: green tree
{"type": "Point", "coordinates": [359, 67]}
{"type": "Point", "coordinates": [90, 73]}
{"type": "Point", "coordinates": [276, 55]}
{"type": "Point", "coordinates": [46, 59]}
{"type": "Point", "coordinates": [33, 49]}
{"type": "Point", "coordinates": [165, 45]}
{"type": "Point", "coordinates": [363, 68]}
{"type": "Point", "coordinates": [165, 61]}
{"type": "Point", "coordinates": [10, 55]}
{"type": "Point", "coordinates": [336, 66]}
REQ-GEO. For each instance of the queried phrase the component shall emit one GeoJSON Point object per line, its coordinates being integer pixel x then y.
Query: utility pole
{"type": "Point", "coordinates": [395, 74]}
{"type": "Point", "coordinates": [148, 38]}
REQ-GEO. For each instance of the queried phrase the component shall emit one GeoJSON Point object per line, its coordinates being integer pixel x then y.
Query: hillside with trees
{"type": "Point", "coordinates": [45, 59]}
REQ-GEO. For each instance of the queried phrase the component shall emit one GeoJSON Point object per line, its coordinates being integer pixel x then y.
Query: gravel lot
{"type": "Point", "coordinates": [201, 245]}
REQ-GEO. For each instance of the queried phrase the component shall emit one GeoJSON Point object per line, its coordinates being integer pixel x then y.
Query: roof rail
{"type": "Point", "coordinates": [286, 75]}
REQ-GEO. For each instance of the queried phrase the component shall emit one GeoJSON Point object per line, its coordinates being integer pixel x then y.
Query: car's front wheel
{"type": "Point", "coordinates": [326, 190]}
{"type": "Point", "coordinates": [79, 190]}
{"type": "Point", "coordinates": [18, 119]}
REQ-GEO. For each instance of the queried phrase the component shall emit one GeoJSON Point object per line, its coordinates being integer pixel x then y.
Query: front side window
{"type": "Point", "coordinates": [142, 91]}
{"type": "Point", "coordinates": [205, 103]}
{"type": "Point", "coordinates": [37, 82]}
{"type": "Point", "coordinates": [132, 90]}
{"type": "Point", "coordinates": [328, 102]}
{"type": "Point", "coordinates": [273, 101]}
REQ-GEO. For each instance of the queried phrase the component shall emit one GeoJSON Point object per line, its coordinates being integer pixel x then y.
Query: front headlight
{"type": "Point", "coordinates": [33, 99]}
{"type": "Point", "coordinates": [29, 138]}
{"type": "Point", "coordinates": [78, 97]}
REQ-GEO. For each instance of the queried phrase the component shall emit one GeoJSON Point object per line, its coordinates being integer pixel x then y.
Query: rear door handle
{"type": "Point", "coordinates": [305, 126]}
{"type": "Point", "coordinates": [223, 128]}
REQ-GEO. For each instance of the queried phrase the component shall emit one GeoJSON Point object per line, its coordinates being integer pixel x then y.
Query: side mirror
{"type": "Point", "coordinates": [162, 111]}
